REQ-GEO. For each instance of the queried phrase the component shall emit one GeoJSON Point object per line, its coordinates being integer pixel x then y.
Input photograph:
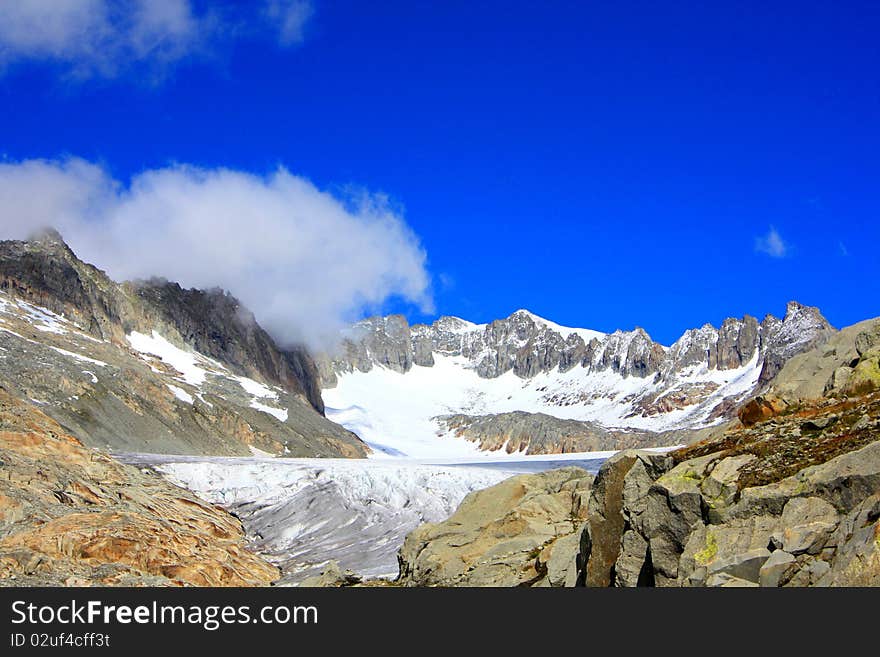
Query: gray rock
{"type": "Point", "coordinates": [720, 484]}
{"type": "Point", "coordinates": [776, 566]}
{"type": "Point", "coordinates": [524, 531]}
{"type": "Point", "coordinates": [868, 339]}
{"type": "Point", "coordinates": [745, 565]}
{"type": "Point", "coordinates": [807, 523]}
{"type": "Point", "coordinates": [725, 580]}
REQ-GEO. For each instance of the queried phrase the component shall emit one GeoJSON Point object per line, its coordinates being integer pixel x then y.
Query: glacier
{"type": "Point", "coordinates": [302, 513]}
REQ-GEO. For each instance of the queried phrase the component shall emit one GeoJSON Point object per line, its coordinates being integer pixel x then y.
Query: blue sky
{"type": "Point", "coordinates": [603, 164]}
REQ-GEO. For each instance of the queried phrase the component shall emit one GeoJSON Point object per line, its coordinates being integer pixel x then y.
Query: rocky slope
{"type": "Point", "coordinates": [150, 367]}
{"type": "Point", "coordinates": [72, 516]}
{"type": "Point", "coordinates": [791, 496]}
{"type": "Point", "coordinates": [623, 387]}
{"type": "Point", "coordinates": [521, 532]}
{"type": "Point", "coordinates": [539, 433]}
{"type": "Point", "coordinates": [45, 272]}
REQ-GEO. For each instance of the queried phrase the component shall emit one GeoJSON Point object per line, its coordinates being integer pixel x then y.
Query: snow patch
{"type": "Point", "coordinates": [84, 359]}
{"type": "Point", "coordinates": [185, 362]}
{"type": "Point", "coordinates": [181, 394]}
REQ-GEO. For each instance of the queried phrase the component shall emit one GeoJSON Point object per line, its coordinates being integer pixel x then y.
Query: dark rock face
{"type": "Point", "coordinates": [78, 366]}
{"type": "Point", "coordinates": [45, 272]}
{"type": "Point", "coordinates": [737, 343]}
{"type": "Point", "coordinates": [215, 323]}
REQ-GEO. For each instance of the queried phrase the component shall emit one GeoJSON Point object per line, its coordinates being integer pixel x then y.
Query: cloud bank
{"type": "Point", "coordinates": [107, 37]}
{"type": "Point", "coordinates": [304, 261]}
{"type": "Point", "coordinates": [772, 244]}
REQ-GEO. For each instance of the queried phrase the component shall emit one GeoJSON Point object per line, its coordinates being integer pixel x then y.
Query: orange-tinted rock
{"type": "Point", "coordinates": [760, 409]}
{"type": "Point", "coordinates": [71, 515]}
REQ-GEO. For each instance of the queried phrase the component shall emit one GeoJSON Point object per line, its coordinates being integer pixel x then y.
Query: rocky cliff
{"type": "Point", "coordinates": [75, 517]}
{"type": "Point", "coordinates": [150, 367]}
{"type": "Point", "coordinates": [528, 345]}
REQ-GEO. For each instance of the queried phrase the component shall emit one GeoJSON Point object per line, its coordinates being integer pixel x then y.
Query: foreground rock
{"type": "Point", "coordinates": [794, 500]}
{"type": "Point", "coordinates": [72, 516]}
{"type": "Point", "coordinates": [523, 531]}
{"type": "Point", "coordinates": [789, 497]}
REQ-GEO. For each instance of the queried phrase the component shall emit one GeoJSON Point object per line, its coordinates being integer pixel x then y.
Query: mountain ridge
{"type": "Point", "coordinates": [613, 384]}
{"type": "Point", "coordinates": [383, 340]}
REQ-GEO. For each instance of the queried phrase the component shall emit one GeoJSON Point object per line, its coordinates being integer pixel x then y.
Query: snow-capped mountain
{"type": "Point", "coordinates": [402, 387]}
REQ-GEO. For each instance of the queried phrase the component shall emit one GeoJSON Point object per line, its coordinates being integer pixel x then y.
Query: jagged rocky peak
{"type": "Point", "coordinates": [527, 345]}
{"type": "Point", "coordinates": [803, 328]}
{"type": "Point", "coordinates": [44, 270]}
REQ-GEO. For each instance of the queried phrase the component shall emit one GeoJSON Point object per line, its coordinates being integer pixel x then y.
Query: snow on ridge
{"type": "Point", "coordinates": [279, 413]}
{"type": "Point", "coordinates": [80, 357]}
{"type": "Point", "coordinates": [394, 412]}
{"type": "Point", "coordinates": [585, 334]}
{"type": "Point", "coordinates": [194, 369]}
{"type": "Point", "coordinates": [185, 362]}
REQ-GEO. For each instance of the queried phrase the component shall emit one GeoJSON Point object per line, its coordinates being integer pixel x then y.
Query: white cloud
{"type": "Point", "coordinates": [108, 37]}
{"type": "Point", "coordinates": [291, 17]}
{"type": "Point", "coordinates": [772, 244]}
{"type": "Point", "coordinates": [304, 261]}
{"type": "Point", "coordinates": [99, 37]}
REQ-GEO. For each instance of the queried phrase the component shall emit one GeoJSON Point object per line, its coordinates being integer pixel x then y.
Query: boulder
{"type": "Point", "coordinates": [332, 576]}
{"type": "Point", "coordinates": [865, 377]}
{"type": "Point", "coordinates": [505, 535]}
{"type": "Point", "coordinates": [775, 568]}
{"type": "Point", "coordinates": [759, 409]}
{"type": "Point", "coordinates": [807, 522]}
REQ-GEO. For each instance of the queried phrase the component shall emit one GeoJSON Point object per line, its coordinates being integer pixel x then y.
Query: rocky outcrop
{"type": "Point", "coordinates": [72, 516]}
{"type": "Point", "coordinates": [521, 532]}
{"type": "Point", "coordinates": [793, 499]}
{"type": "Point", "coordinates": [829, 370]}
{"type": "Point", "coordinates": [539, 433]}
{"type": "Point", "coordinates": [802, 329]}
